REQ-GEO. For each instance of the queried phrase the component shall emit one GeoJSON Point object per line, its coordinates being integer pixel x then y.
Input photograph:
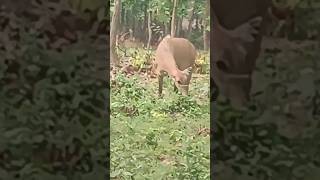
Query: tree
{"type": "Point", "coordinates": [173, 18]}
{"type": "Point", "coordinates": [206, 34]}
{"type": "Point", "coordinates": [113, 32]}
{"type": "Point", "coordinates": [149, 29]}
{"type": "Point", "coordinates": [166, 17]}
{"type": "Point", "coordinates": [191, 17]}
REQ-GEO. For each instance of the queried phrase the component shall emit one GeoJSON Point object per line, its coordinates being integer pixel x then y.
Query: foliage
{"type": "Point", "coordinates": [203, 62]}
{"type": "Point", "coordinates": [305, 13]}
{"type": "Point", "coordinates": [134, 12]}
{"type": "Point", "coordinates": [138, 57]}
{"type": "Point", "coordinates": [154, 138]}
{"type": "Point", "coordinates": [51, 107]}
{"type": "Point", "coordinates": [276, 138]}
{"type": "Point", "coordinates": [142, 58]}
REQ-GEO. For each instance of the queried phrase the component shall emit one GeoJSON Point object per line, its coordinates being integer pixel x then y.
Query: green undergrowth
{"type": "Point", "coordinates": [142, 57]}
{"type": "Point", "coordinates": [159, 138]}
{"type": "Point", "coordinates": [277, 136]}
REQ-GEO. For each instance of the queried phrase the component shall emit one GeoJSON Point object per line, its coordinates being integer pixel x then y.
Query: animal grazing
{"type": "Point", "coordinates": [176, 57]}
{"type": "Point", "coordinates": [237, 32]}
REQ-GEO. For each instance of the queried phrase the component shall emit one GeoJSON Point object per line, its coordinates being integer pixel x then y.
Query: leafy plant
{"type": "Point", "coordinates": [161, 140]}
{"type": "Point", "coordinates": [52, 104]}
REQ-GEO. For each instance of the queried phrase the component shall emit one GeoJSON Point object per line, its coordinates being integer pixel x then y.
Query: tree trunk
{"type": "Point", "coordinates": [113, 32]}
{"type": "Point", "coordinates": [191, 17]}
{"type": "Point", "coordinates": [149, 30]}
{"type": "Point", "coordinates": [173, 18]}
{"type": "Point", "coordinates": [179, 31]}
{"type": "Point", "coordinates": [124, 20]}
{"type": "Point", "coordinates": [197, 22]}
{"type": "Point", "coordinates": [145, 28]}
{"type": "Point", "coordinates": [129, 22]}
{"type": "Point", "coordinates": [142, 36]}
{"type": "Point", "coordinates": [206, 34]}
{"type": "Point", "coordinates": [133, 25]}
{"type": "Point", "coordinates": [166, 29]}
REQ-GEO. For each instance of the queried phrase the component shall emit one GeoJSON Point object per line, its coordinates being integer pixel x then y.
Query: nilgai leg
{"type": "Point", "coordinates": [160, 81]}
{"type": "Point", "coordinates": [175, 89]}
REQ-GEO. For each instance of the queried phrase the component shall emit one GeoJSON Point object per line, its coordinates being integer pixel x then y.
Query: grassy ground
{"type": "Point", "coordinates": [277, 137]}
{"type": "Point", "coordinates": [159, 138]}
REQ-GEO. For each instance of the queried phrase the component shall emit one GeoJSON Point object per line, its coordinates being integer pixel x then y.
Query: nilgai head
{"type": "Point", "coordinates": [232, 68]}
{"type": "Point", "coordinates": [236, 37]}
{"type": "Point", "coordinates": [181, 80]}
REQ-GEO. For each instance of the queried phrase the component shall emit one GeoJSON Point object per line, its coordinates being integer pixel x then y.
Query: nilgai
{"type": "Point", "coordinates": [236, 38]}
{"type": "Point", "coordinates": [175, 56]}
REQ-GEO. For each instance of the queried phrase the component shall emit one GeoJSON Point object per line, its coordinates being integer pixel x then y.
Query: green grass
{"type": "Point", "coordinates": [159, 138]}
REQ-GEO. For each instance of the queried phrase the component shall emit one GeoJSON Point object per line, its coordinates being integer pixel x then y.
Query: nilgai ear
{"type": "Point", "coordinates": [247, 31]}
{"type": "Point", "coordinates": [188, 70]}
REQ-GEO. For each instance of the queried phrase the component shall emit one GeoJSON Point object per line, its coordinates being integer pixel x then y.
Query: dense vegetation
{"type": "Point", "coordinates": [277, 137]}
{"type": "Point", "coordinates": [152, 137]}
{"type": "Point", "coordinates": [52, 106]}
{"type": "Point", "coordinates": [191, 20]}
{"type": "Point", "coordinates": [52, 95]}
{"type": "Point", "coordinates": [159, 138]}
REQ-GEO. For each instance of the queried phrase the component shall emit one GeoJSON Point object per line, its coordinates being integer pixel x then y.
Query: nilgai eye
{"type": "Point", "coordinates": [221, 65]}
{"type": "Point", "coordinates": [179, 82]}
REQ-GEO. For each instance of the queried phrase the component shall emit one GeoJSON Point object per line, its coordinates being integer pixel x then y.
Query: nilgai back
{"type": "Point", "coordinates": [176, 57]}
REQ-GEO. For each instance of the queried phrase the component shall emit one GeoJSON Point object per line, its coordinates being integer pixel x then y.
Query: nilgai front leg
{"type": "Point", "coordinates": [175, 89]}
{"type": "Point", "coordinates": [160, 81]}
